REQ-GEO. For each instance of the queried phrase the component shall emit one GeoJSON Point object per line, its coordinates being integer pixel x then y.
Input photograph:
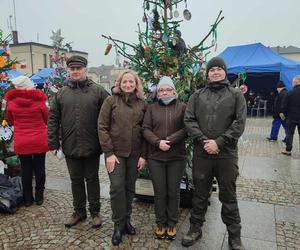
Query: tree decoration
{"type": "Point", "coordinates": [107, 49]}
{"type": "Point", "coordinates": [6, 63]}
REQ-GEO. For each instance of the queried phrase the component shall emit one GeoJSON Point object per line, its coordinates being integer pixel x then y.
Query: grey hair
{"type": "Point", "coordinates": [297, 79]}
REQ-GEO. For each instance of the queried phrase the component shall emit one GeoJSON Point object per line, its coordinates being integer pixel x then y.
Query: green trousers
{"type": "Point", "coordinates": [226, 172]}
{"type": "Point", "coordinates": [85, 170]}
{"type": "Point", "coordinates": [166, 177]}
{"type": "Point", "coordinates": [122, 190]}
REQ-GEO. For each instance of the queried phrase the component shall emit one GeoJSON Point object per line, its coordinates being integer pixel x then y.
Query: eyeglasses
{"type": "Point", "coordinates": [165, 90]}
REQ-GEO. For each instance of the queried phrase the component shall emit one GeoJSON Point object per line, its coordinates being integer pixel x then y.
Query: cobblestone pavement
{"type": "Point", "coordinates": [41, 227]}
{"type": "Point", "coordinates": [288, 235]}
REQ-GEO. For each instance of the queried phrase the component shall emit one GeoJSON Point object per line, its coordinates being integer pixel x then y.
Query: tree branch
{"type": "Point", "coordinates": [211, 30]}
{"type": "Point", "coordinates": [116, 40]}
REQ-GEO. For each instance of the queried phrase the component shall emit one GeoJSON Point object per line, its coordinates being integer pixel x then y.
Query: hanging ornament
{"type": "Point", "coordinates": [3, 76]}
{"type": "Point", "coordinates": [165, 38]}
{"type": "Point", "coordinates": [107, 49]}
{"type": "Point", "coordinates": [244, 88]}
{"type": "Point", "coordinates": [196, 69]}
{"type": "Point", "coordinates": [146, 51]}
{"type": "Point", "coordinates": [150, 21]}
{"type": "Point", "coordinates": [144, 19]}
{"type": "Point", "coordinates": [2, 61]}
{"type": "Point", "coordinates": [157, 35]}
{"type": "Point", "coordinates": [186, 13]}
{"type": "Point", "coordinates": [174, 41]}
{"type": "Point", "coordinates": [6, 132]}
{"type": "Point", "coordinates": [14, 66]}
{"type": "Point", "coordinates": [176, 13]}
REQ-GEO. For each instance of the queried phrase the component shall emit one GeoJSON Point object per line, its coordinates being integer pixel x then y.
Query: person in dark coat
{"type": "Point", "coordinates": [28, 113]}
{"type": "Point", "coordinates": [120, 134]}
{"type": "Point", "coordinates": [163, 129]}
{"type": "Point", "coordinates": [277, 109]}
{"type": "Point", "coordinates": [215, 118]}
{"type": "Point", "coordinates": [75, 109]}
{"type": "Point", "coordinates": [291, 111]}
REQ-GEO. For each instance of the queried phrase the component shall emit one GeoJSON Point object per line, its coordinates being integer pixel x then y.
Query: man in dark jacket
{"type": "Point", "coordinates": [291, 110]}
{"type": "Point", "coordinates": [277, 109]}
{"type": "Point", "coordinates": [74, 110]}
{"type": "Point", "coordinates": [215, 119]}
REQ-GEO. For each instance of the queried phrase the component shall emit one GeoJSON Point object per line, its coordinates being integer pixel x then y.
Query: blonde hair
{"type": "Point", "coordinates": [138, 89]}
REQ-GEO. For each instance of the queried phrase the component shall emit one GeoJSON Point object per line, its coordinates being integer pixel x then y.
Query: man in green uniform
{"type": "Point", "coordinates": [75, 109]}
{"type": "Point", "coordinates": [215, 119]}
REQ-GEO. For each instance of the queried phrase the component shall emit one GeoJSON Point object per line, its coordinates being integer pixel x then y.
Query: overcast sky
{"type": "Point", "coordinates": [83, 21]}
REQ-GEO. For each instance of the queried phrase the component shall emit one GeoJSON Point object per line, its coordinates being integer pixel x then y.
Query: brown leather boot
{"type": "Point", "coordinates": [75, 219]}
{"type": "Point", "coordinates": [96, 220]}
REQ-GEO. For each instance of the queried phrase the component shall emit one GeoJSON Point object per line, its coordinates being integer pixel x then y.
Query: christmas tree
{"type": "Point", "coordinates": [6, 132]}
{"type": "Point", "coordinates": [59, 77]}
{"type": "Point", "coordinates": [161, 50]}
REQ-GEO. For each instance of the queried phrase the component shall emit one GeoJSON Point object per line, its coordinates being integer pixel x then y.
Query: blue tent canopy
{"type": "Point", "coordinates": [12, 73]}
{"type": "Point", "coordinates": [40, 77]}
{"type": "Point", "coordinates": [257, 58]}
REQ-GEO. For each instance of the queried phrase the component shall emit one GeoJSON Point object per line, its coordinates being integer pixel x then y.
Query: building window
{"type": "Point", "coordinates": [45, 60]}
{"type": "Point", "coordinates": [50, 60]}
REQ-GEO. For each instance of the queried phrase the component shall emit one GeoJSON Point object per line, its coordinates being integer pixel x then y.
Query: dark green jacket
{"type": "Point", "coordinates": [216, 113]}
{"type": "Point", "coordinates": [75, 109]}
{"type": "Point", "coordinates": [120, 126]}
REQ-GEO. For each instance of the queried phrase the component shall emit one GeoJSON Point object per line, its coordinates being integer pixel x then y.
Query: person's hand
{"type": "Point", "coordinates": [211, 147]}
{"type": "Point", "coordinates": [54, 151]}
{"type": "Point", "coordinates": [111, 162]}
{"type": "Point", "coordinates": [141, 163]}
{"type": "Point", "coordinates": [282, 116]}
{"type": "Point", "coordinates": [164, 145]}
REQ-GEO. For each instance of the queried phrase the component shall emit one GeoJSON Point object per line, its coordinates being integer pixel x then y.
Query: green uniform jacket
{"type": "Point", "coordinates": [75, 110]}
{"type": "Point", "coordinates": [120, 127]}
{"type": "Point", "coordinates": [218, 114]}
{"type": "Point", "coordinates": [165, 122]}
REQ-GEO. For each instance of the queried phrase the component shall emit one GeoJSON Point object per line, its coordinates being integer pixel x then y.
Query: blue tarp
{"type": "Point", "coordinates": [257, 58]}
{"type": "Point", "coordinates": [12, 73]}
{"type": "Point", "coordinates": [40, 77]}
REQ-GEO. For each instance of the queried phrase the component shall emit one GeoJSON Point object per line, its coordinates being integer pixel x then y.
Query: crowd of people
{"type": "Point", "coordinates": [84, 122]}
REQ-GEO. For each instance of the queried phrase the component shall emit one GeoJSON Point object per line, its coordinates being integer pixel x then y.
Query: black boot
{"type": "Point", "coordinates": [234, 237]}
{"type": "Point", "coordinates": [117, 237]}
{"type": "Point", "coordinates": [39, 196]}
{"type": "Point", "coordinates": [28, 198]}
{"type": "Point", "coordinates": [235, 243]}
{"type": "Point", "coordinates": [129, 229]}
{"type": "Point", "coordinates": [194, 233]}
